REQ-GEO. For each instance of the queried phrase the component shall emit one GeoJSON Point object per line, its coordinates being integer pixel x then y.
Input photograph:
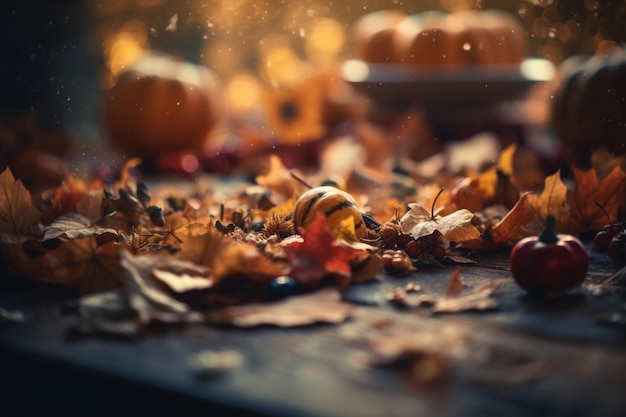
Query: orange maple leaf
{"type": "Point", "coordinates": [591, 192]}
{"type": "Point", "coordinates": [527, 217]}
{"type": "Point", "coordinates": [492, 186]}
{"type": "Point", "coordinates": [319, 255]}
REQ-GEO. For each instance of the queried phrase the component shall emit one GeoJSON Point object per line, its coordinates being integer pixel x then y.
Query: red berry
{"type": "Point", "coordinates": [402, 240]}
{"type": "Point", "coordinates": [433, 239]}
{"type": "Point", "coordinates": [601, 241]}
{"type": "Point", "coordinates": [617, 249]}
{"type": "Point", "coordinates": [603, 237]}
{"type": "Point", "coordinates": [438, 251]}
{"type": "Point", "coordinates": [414, 248]}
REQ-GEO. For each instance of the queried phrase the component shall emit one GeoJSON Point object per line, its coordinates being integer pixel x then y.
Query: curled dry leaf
{"type": "Point", "coordinates": [145, 291]}
{"type": "Point", "coordinates": [457, 300]}
{"type": "Point", "coordinates": [455, 227]}
{"type": "Point", "coordinates": [106, 313]}
{"type": "Point", "coordinates": [73, 226]}
{"type": "Point", "coordinates": [479, 300]}
{"type": "Point", "coordinates": [322, 306]}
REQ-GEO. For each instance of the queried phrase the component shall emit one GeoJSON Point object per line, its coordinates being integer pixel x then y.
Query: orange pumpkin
{"type": "Point", "coordinates": [486, 37]}
{"type": "Point", "coordinates": [373, 35]}
{"type": "Point", "coordinates": [161, 105]}
{"type": "Point", "coordinates": [589, 104]}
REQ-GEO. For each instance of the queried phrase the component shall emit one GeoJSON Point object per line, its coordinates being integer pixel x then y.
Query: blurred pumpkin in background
{"type": "Point", "coordinates": [485, 37]}
{"type": "Point", "coordinates": [373, 35]}
{"type": "Point", "coordinates": [161, 105]}
{"type": "Point", "coordinates": [589, 104]}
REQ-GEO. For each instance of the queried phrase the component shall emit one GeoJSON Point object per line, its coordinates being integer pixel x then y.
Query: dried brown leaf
{"type": "Point", "coordinates": [455, 285]}
{"type": "Point", "coordinates": [455, 227]}
{"type": "Point", "coordinates": [147, 296]}
{"type": "Point", "coordinates": [18, 214]}
{"type": "Point", "coordinates": [73, 226]}
{"type": "Point", "coordinates": [82, 263]}
{"type": "Point", "coordinates": [322, 306]}
{"type": "Point", "coordinates": [479, 300]}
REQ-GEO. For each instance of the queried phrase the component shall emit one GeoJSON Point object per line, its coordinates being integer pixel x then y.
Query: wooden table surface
{"type": "Point", "coordinates": [534, 356]}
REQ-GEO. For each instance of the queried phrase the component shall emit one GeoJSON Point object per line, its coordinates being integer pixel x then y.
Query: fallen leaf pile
{"type": "Point", "coordinates": [213, 250]}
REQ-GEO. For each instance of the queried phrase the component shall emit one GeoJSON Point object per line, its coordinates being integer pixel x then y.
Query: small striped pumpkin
{"type": "Point", "coordinates": [336, 205]}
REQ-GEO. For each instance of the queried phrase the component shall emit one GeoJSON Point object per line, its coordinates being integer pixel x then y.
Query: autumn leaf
{"type": "Point", "coordinates": [203, 246]}
{"type": "Point", "coordinates": [106, 313]}
{"type": "Point", "coordinates": [528, 216]}
{"type": "Point", "coordinates": [318, 255]}
{"type": "Point", "coordinates": [245, 260]}
{"type": "Point", "coordinates": [520, 222]}
{"type": "Point", "coordinates": [227, 258]}
{"type": "Point", "coordinates": [149, 286]}
{"type": "Point", "coordinates": [277, 179]}
{"type": "Point", "coordinates": [590, 192]}
{"type": "Point", "coordinates": [455, 227]}
{"type": "Point", "coordinates": [553, 199]}
{"type": "Point", "coordinates": [18, 215]}
{"type": "Point", "coordinates": [492, 186]}
{"type": "Point", "coordinates": [456, 301]}
{"type": "Point", "coordinates": [72, 196]}
{"type": "Point", "coordinates": [143, 278]}
{"type": "Point", "coordinates": [455, 285]}
{"type": "Point", "coordinates": [239, 271]}
{"type": "Point", "coordinates": [322, 306]}
{"type": "Point", "coordinates": [468, 194]}
{"type": "Point", "coordinates": [78, 262]}
{"type": "Point", "coordinates": [73, 226]}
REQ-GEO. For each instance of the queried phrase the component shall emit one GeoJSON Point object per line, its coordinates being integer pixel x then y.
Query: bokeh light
{"type": "Point", "coordinates": [242, 93]}
{"type": "Point", "coordinates": [125, 46]}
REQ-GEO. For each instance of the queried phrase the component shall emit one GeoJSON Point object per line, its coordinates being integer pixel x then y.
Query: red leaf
{"type": "Point", "coordinates": [319, 255]}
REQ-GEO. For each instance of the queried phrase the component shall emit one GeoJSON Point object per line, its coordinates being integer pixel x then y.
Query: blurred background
{"type": "Point", "coordinates": [58, 55]}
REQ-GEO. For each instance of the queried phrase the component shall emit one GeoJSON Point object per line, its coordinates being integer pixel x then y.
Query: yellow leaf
{"type": "Point", "coordinates": [553, 199]}
{"type": "Point", "coordinates": [528, 216]}
{"type": "Point", "coordinates": [521, 221]}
